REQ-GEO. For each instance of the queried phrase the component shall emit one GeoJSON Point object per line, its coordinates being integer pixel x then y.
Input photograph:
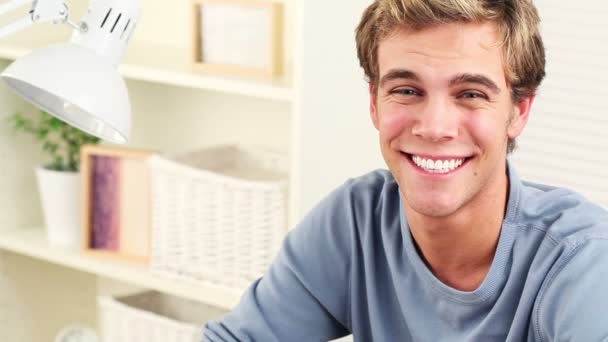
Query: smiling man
{"type": "Point", "coordinates": [445, 114]}
{"type": "Point", "coordinates": [450, 245]}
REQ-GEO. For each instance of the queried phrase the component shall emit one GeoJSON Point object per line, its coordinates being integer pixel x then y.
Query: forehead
{"type": "Point", "coordinates": [444, 50]}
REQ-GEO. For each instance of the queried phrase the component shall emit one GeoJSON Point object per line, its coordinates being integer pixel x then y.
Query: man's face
{"type": "Point", "coordinates": [444, 113]}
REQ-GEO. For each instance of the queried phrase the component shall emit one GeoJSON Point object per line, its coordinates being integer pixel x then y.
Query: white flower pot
{"type": "Point", "coordinates": [60, 197]}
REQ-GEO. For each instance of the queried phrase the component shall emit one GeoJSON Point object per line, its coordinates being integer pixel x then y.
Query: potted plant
{"type": "Point", "coordinates": [59, 178]}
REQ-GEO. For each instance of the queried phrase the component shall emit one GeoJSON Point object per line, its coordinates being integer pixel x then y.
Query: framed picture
{"type": "Point", "coordinates": [238, 37]}
{"type": "Point", "coordinates": [116, 202]}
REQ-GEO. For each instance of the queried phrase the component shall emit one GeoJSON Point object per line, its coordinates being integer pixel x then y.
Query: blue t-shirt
{"type": "Point", "coordinates": [351, 266]}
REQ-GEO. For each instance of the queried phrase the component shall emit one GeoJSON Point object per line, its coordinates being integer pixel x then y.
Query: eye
{"type": "Point", "coordinates": [405, 92]}
{"type": "Point", "coordinates": [470, 95]}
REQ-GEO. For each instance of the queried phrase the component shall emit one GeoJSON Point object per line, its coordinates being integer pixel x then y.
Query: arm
{"type": "Point", "coordinates": [574, 306]}
{"type": "Point", "coordinates": [305, 294]}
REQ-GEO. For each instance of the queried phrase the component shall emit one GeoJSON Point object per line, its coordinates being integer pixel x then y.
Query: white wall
{"type": "Point", "coordinates": [335, 139]}
{"type": "Point", "coordinates": [565, 142]}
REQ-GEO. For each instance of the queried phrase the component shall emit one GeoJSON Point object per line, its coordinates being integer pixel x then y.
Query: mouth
{"type": "Point", "coordinates": [437, 165]}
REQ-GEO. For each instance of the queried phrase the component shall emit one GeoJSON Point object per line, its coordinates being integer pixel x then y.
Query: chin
{"type": "Point", "coordinates": [433, 206]}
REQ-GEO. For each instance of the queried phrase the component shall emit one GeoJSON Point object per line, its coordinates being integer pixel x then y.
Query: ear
{"type": "Point", "coordinates": [520, 117]}
{"type": "Point", "coordinates": [373, 110]}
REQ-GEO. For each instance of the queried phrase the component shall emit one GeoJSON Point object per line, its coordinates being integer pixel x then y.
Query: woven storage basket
{"type": "Point", "coordinates": [218, 215]}
{"type": "Point", "coordinates": [153, 317]}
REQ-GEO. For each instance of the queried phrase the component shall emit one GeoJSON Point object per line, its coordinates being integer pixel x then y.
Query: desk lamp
{"type": "Point", "coordinates": [78, 81]}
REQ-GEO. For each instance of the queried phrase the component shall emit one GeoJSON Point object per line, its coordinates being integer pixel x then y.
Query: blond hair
{"type": "Point", "coordinates": [517, 22]}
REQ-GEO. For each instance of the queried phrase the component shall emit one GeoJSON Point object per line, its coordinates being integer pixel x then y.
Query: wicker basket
{"type": "Point", "coordinates": [218, 215]}
{"type": "Point", "coordinates": [153, 317]}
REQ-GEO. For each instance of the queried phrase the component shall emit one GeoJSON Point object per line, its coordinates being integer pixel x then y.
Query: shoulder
{"type": "Point", "coordinates": [373, 189]}
{"type": "Point", "coordinates": [361, 195]}
{"type": "Point", "coordinates": [373, 184]}
{"type": "Point", "coordinates": [372, 201]}
{"type": "Point", "coordinates": [564, 215]}
{"type": "Point", "coordinates": [574, 255]}
{"type": "Point", "coordinates": [573, 300]}
{"type": "Point", "coordinates": [357, 204]}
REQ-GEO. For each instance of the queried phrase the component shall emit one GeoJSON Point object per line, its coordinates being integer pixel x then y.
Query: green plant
{"type": "Point", "coordinates": [59, 140]}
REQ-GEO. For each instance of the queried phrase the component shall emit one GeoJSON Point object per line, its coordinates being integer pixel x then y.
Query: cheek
{"type": "Point", "coordinates": [394, 121]}
{"type": "Point", "coordinates": [486, 129]}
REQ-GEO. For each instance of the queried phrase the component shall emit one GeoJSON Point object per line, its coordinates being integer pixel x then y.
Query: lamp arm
{"type": "Point", "coordinates": [16, 26]}
{"type": "Point", "coordinates": [11, 5]}
{"type": "Point", "coordinates": [41, 11]}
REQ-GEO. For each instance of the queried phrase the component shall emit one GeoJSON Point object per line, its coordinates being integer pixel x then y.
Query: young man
{"type": "Point", "coordinates": [450, 245]}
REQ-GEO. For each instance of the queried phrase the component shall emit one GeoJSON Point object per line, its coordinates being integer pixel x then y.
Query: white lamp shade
{"type": "Point", "coordinates": [77, 86]}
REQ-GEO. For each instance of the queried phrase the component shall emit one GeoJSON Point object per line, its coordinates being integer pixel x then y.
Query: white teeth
{"type": "Point", "coordinates": [437, 166]}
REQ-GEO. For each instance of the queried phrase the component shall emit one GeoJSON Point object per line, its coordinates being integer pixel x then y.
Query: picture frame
{"type": "Point", "coordinates": [116, 202]}
{"type": "Point", "coordinates": [238, 37]}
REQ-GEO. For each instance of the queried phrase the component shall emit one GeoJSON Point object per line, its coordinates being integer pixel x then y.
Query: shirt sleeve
{"type": "Point", "coordinates": [575, 304]}
{"type": "Point", "coordinates": [305, 294]}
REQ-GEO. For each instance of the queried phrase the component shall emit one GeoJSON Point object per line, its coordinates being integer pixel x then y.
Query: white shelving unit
{"type": "Point", "coordinates": [32, 242]}
{"type": "Point", "coordinates": [160, 81]}
{"type": "Point", "coordinates": [168, 66]}
{"type": "Point", "coordinates": [316, 114]}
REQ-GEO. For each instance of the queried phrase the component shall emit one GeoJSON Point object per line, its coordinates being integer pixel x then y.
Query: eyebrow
{"type": "Point", "coordinates": [404, 74]}
{"type": "Point", "coordinates": [398, 74]}
{"type": "Point", "coordinates": [475, 78]}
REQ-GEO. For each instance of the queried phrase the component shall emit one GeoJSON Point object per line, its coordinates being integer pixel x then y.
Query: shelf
{"type": "Point", "coordinates": [33, 243]}
{"type": "Point", "coordinates": [170, 66]}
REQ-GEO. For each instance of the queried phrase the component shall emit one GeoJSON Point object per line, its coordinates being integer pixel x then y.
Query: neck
{"type": "Point", "coordinates": [459, 248]}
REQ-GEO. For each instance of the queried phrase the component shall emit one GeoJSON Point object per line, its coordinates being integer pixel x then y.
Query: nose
{"type": "Point", "coordinates": [436, 121]}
